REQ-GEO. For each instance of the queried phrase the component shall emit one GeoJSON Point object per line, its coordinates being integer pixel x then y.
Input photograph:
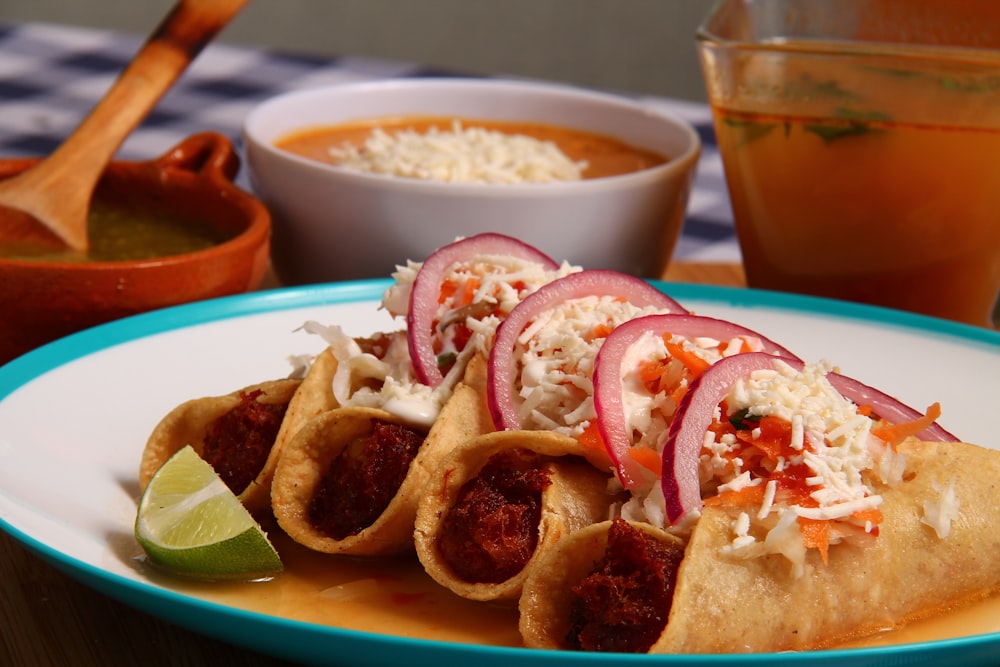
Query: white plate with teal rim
{"type": "Point", "coordinates": [75, 414]}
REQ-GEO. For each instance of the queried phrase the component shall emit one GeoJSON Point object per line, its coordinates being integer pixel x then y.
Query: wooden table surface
{"type": "Point", "coordinates": [48, 618]}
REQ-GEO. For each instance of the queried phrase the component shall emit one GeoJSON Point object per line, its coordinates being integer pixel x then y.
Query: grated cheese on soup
{"type": "Point", "coordinates": [461, 155]}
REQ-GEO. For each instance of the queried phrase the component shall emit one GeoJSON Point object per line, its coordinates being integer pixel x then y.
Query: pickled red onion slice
{"type": "Point", "coordinates": [593, 282]}
{"type": "Point", "coordinates": [679, 479]}
{"type": "Point", "coordinates": [427, 289]}
{"type": "Point", "coordinates": [608, 390]}
{"type": "Point", "coordinates": [886, 407]}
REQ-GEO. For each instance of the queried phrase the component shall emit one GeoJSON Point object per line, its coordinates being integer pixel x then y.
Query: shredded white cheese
{"type": "Point", "coordinates": [362, 379]}
{"type": "Point", "coordinates": [555, 356]}
{"type": "Point", "coordinates": [500, 283]}
{"type": "Point", "coordinates": [829, 437]}
{"type": "Point", "coordinates": [939, 514]}
{"type": "Point", "coordinates": [461, 155]}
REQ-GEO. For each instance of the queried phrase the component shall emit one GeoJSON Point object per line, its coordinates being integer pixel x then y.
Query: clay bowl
{"type": "Point", "coordinates": [41, 301]}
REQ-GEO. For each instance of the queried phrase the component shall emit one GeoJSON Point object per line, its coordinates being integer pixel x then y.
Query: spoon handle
{"type": "Point", "coordinates": [74, 168]}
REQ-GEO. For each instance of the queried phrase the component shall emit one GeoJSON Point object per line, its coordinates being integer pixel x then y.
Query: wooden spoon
{"type": "Point", "coordinates": [48, 203]}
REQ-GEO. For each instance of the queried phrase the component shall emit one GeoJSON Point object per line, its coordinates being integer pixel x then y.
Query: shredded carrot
{"type": "Point", "coordinates": [816, 535]}
{"type": "Point", "coordinates": [872, 515]}
{"type": "Point", "coordinates": [600, 331]}
{"type": "Point", "coordinates": [748, 495]}
{"type": "Point", "coordinates": [591, 437]}
{"type": "Point", "coordinates": [448, 289]}
{"type": "Point", "coordinates": [692, 362]}
{"type": "Point", "coordinates": [647, 458]}
{"type": "Point", "coordinates": [678, 393]}
{"type": "Point", "coordinates": [897, 433]}
{"type": "Point", "coordinates": [865, 410]}
{"type": "Point", "coordinates": [774, 437]}
{"type": "Point", "coordinates": [650, 373]}
{"type": "Point", "coordinates": [469, 288]}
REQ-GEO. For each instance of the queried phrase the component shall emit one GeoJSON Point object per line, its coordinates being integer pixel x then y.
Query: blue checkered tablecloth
{"type": "Point", "coordinates": [51, 76]}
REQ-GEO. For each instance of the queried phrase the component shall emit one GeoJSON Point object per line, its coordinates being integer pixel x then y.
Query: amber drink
{"type": "Point", "coordinates": [861, 146]}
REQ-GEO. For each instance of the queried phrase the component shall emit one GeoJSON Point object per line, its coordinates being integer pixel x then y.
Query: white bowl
{"type": "Point", "coordinates": [331, 223]}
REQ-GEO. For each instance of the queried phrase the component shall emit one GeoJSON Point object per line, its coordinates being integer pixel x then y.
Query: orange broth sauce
{"type": "Point", "coordinates": [605, 155]}
{"type": "Point", "coordinates": [394, 596]}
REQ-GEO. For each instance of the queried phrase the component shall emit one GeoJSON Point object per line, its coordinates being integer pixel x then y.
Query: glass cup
{"type": "Point", "coordinates": [861, 147]}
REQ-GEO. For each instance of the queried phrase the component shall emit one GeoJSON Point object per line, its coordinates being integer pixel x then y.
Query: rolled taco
{"type": "Point", "coordinates": [607, 587]}
{"type": "Point", "coordinates": [810, 519]}
{"type": "Point", "coordinates": [241, 434]}
{"type": "Point", "coordinates": [350, 480]}
{"type": "Point", "coordinates": [501, 501]}
{"type": "Point", "coordinates": [430, 378]}
{"type": "Point", "coordinates": [540, 393]}
{"type": "Point", "coordinates": [936, 549]}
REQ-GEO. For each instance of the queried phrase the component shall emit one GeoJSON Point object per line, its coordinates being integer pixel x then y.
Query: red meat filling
{"type": "Point", "coordinates": [238, 443]}
{"type": "Point", "coordinates": [363, 479]}
{"type": "Point", "coordinates": [622, 606]}
{"type": "Point", "coordinates": [492, 529]}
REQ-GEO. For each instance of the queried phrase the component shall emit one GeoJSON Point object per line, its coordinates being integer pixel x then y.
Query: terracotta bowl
{"type": "Point", "coordinates": [41, 301]}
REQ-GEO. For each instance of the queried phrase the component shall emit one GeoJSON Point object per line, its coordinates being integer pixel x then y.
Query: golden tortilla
{"type": "Point", "coordinates": [578, 496]}
{"type": "Point", "coordinates": [908, 572]}
{"type": "Point", "coordinates": [308, 456]}
{"type": "Point", "coordinates": [725, 604]}
{"type": "Point", "coordinates": [547, 595]}
{"type": "Point", "coordinates": [188, 423]}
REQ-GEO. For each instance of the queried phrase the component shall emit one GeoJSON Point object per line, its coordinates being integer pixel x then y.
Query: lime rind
{"type": "Point", "coordinates": [247, 556]}
{"type": "Point", "coordinates": [190, 523]}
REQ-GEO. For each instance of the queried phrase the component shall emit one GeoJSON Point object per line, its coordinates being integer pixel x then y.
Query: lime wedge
{"type": "Point", "coordinates": [191, 524]}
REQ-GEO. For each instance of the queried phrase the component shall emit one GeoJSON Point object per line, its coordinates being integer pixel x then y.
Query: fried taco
{"type": "Point", "coordinates": [541, 400]}
{"type": "Point", "coordinates": [809, 518]}
{"type": "Point", "coordinates": [607, 587]}
{"type": "Point", "coordinates": [502, 500]}
{"type": "Point", "coordinates": [241, 434]}
{"type": "Point", "coordinates": [350, 479]}
{"type": "Point", "coordinates": [935, 550]}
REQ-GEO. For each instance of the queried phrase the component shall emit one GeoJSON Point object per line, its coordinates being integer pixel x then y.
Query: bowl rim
{"type": "Point", "coordinates": [675, 164]}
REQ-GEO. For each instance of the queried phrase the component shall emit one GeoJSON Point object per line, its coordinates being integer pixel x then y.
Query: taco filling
{"type": "Point", "coordinates": [491, 530]}
{"type": "Point", "coordinates": [238, 443]}
{"type": "Point", "coordinates": [623, 604]}
{"type": "Point", "coordinates": [363, 479]}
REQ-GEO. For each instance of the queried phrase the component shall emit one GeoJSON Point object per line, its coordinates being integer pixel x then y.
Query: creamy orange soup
{"type": "Point", "coordinates": [605, 155]}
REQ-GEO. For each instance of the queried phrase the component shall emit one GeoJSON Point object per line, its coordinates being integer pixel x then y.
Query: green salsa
{"type": "Point", "coordinates": [117, 235]}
